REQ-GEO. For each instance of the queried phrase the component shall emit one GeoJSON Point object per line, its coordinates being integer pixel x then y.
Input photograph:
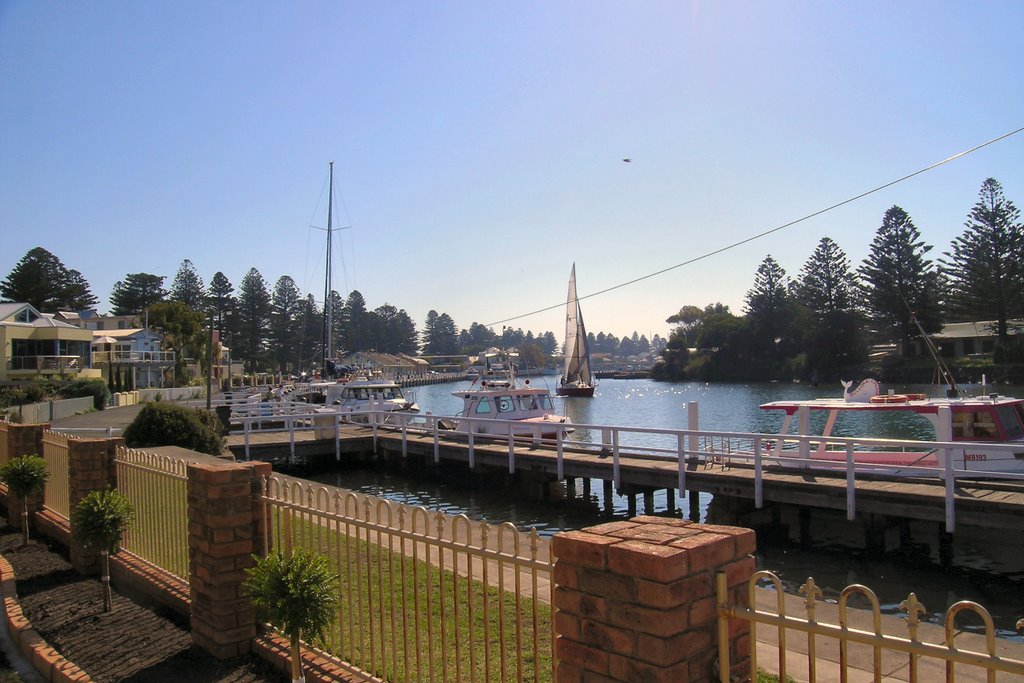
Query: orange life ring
{"type": "Point", "coordinates": [915, 397]}
{"type": "Point", "coordinates": [890, 398]}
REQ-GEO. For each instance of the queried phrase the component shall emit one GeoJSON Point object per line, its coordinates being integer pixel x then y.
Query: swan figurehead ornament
{"type": "Point", "coordinates": [863, 393]}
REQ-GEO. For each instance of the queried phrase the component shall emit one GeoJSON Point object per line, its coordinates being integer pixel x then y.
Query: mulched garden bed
{"type": "Point", "coordinates": [132, 642]}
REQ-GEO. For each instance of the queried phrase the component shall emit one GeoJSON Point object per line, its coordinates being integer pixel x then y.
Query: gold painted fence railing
{"type": "Point", "coordinates": [424, 596]}
{"type": "Point", "coordinates": [869, 650]}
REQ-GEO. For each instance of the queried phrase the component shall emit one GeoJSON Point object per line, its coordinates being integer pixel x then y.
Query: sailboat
{"type": "Point", "coordinates": [577, 379]}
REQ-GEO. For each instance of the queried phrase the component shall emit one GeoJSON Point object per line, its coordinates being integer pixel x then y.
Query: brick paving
{"type": "Point", "coordinates": [132, 642]}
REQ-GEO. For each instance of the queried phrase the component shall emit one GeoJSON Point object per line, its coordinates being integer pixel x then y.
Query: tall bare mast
{"type": "Point", "coordinates": [328, 351]}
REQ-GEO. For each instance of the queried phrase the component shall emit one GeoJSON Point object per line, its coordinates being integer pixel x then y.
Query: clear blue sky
{"type": "Point", "coordinates": [478, 146]}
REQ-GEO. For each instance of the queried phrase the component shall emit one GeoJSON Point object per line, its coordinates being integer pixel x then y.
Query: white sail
{"type": "Point", "coordinates": [577, 353]}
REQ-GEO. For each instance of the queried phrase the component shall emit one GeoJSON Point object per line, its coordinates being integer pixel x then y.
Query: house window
{"type": "Point", "coordinates": [120, 325]}
{"type": "Point", "coordinates": [25, 315]}
{"type": "Point", "coordinates": [988, 345]}
{"type": "Point", "coordinates": [968, 347]}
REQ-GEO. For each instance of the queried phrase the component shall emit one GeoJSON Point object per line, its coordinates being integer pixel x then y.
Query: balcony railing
{"type": "Point", "coordinates": [45, 363]}
{"type": "Point", "coordinates": [108, 357]}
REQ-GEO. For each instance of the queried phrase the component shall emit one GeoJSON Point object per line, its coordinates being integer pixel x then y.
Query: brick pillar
{"type": "Point", "coordinates": [23, 439]}
{"type": "Point", "coordinates": [90, 468]}
{"type": "Point", "coordinates": [635, 600]}
{"type": "Point", "coordinates": [225, 529]}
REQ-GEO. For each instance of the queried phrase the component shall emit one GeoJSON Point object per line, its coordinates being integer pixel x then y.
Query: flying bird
{"type": "Point", "coordinates": [627, 160]}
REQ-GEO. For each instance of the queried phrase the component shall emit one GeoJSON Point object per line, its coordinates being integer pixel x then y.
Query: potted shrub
{"type": "Point", "coordinates": [24, 477]}
{"type": "Point", "coordinates": [297, 594]}
{"type": "Point", "coordinates": [99, 522]}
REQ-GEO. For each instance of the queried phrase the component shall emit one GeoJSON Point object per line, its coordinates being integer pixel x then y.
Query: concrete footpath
{"type": "Point", "coordinates": [860, 666]}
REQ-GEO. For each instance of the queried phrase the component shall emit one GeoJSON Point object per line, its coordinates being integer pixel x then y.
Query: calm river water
{"type": "Point", "coordinates": [987, 568]}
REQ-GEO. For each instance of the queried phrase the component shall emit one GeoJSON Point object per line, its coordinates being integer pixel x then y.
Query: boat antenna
{"type": "Point", "coordinates": [940, 366]}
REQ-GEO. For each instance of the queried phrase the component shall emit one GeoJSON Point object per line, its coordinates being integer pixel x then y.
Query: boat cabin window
{"type": "Point", "coordinates": [545, 403]}
{"type": "Point", "coordinates": [528, 402]}
{"type": "Point", "coordinates": [1012, 417]}
{"type": "Point", "coordinates": [970, 425]}
{"type": "Point", "coordinates": [482, 407]}
{"type": "Point", "coordinates": [505, 404]}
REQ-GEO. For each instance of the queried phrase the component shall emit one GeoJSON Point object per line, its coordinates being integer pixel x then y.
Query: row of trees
{"type": "Point", "coordinates": [275, 328]}
{"type": "Point", "coordinates": [825, 319]}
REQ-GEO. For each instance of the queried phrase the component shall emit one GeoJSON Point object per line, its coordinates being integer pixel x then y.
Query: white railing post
{"type": "Point", "coordinates": [337, 437]}
{"type": "Point", "coordinates": [803, 414]}
{"type": "Point", "coordinates": [851, 485]}
{"type": "Point", "coordinates": [559, 453]}
{"type": "Point", "coordinates": [511, 450]}
{"type": "Point", "coordinates": [681, 457]}
{"type": "Point", "coordinates": [405, 439]}
{"type": "Point", "coordinates": [692, 420]}
{"type": "Point", "coordinates": [944, 432]}
{"type": "Point", "coordinates": [245, 431]}
{"type": "Point", "coordinates": [758, 480]}
{"type": "Point", "coordinates": [469, 444]}
{"type": "Point", "coordinates": [291, 438]}
{"type": "Point", "coordinates": [615, 459]}
{"type": "Point", "coordinates": [437, 441]}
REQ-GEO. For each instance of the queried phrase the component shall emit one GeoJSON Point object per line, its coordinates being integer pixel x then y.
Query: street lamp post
{"type": "Point", "coordinates": [209, 366]}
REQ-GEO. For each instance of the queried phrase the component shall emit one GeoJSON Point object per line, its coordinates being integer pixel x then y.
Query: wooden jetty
{"type": "Point", "coordinates": [993, 505]}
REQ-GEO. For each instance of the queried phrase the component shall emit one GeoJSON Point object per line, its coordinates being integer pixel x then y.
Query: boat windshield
{"type": "Point", "coordinates": [1011, 416]}
{"type": "Point", "coordinates": [483, 406]}
{"type": "Point", "coordinates": [528, 402]}
{"type": "Point", "coordinates": [969, 425]}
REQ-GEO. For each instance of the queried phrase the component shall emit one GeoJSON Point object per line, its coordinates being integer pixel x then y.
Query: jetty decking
{"type": "Point", "coordinates": [995, 505]}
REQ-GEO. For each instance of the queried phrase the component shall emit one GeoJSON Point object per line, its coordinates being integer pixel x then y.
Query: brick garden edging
{"type": "Point", "coordinates": [44, 659]}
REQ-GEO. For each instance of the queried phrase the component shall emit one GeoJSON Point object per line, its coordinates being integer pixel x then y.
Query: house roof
{"type": "Point", "coordinates": [122, 334]}
{"type": "Point", "coordinates": [979, 328]}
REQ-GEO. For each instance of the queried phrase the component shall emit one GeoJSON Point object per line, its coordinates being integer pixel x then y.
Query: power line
{"type": "Point", "coordinates": [768, 232]}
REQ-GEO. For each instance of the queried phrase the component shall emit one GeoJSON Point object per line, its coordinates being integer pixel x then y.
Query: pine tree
{"type": "Point", "coordinates": [985, 266]}
{"type": "Point", "coordinates": [40, 279]}
{"type": "Point", "coordinates": [136, 292]}
{"type": "Point", "coordinates": [188, 288]}
{"type": "Point", "coordinates": [898, 281]}
{"type": "Point", "coordinates": [284, 322]}
{"type": "Point", "coordinates": [826, 283]}
{"type": "Point", "coordinates": [221, 302]}
{"type": "Point", "coordinates": [254, 309]}
{"type": "Point", "coordinates": [767, 306]}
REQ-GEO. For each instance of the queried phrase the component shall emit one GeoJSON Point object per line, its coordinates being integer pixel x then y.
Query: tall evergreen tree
{"type": "Point", "coordinates": [828, 328]}
{"type": "Point", "coordinates": [187, 287]}
{"type": "Point", "coordinates": [136, 292]}
{"type": "Point", "coordinates": [254, 309]}
{"type": "Point", "coordinates": [440, 336]}
{"type": "Point", "coordinates": [310, 328]}
{"type": "Point", "coordinates": [898, 281]}
{"type": "Point", "coordinates": [476, 338]}
{"type": "Point", "coordinates": [826, 282]}
{"type": "Point", "coordinates": [767, 306]}
{"type": "Point", "coordinates": [985, 266]}
{"type": "Point", "coordinates": [221, 302]}
{"type": "Point", "coordinates": [356, 317]}
{"type": "Point", "coordinates": [284, 322]}
{"type": "Point", "coordinates": [40, 279]}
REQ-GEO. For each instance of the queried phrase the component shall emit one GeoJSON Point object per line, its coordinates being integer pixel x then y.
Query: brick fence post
{"type": "Point", "coordinates": [224, 531]}
{"type": "Point", "coordinates": [23, 439]}
{"type": "Point", "coordinates": [90, 468]}
{"type": "Point", "coordinates": [635, 600]}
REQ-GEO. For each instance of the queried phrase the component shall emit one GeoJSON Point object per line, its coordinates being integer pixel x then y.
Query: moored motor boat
{"type": "Point", "coordinates": [985, 425]}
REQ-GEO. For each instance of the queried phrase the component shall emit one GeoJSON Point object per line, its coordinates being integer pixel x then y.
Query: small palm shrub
{"type": "Point", "coordinates": [24, 477]}
{"type": "Point", "coordinates": [98, 522]}
{"type": "Point", "coordinates": [297, 594]}
{"type": "Point", "coordinates": [160, 423]}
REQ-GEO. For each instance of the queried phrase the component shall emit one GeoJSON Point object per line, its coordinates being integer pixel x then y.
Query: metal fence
{"type": "Point", "coordinates": [157, 487]}
{"type": "Point", "coordinates": [424, 596]}
{"type": "Point", "coordinates": [55, 453]}
{"type": "Point", "coordinates": [859, 646]}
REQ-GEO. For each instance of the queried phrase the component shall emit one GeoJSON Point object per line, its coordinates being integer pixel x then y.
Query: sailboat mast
{"type": "Point", "coordinates": [328, 352]}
